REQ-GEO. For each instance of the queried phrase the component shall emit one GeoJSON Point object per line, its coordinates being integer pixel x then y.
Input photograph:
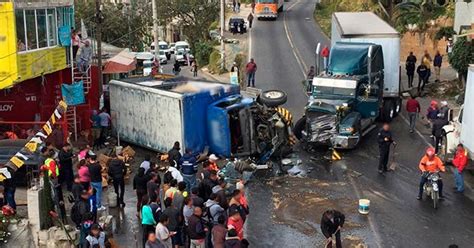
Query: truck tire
{"type": "Point", "coordinates": [443, 153]}
{"type": "Point", "coordinates": [273, 98]}
{"type": "Point", "coordinates": [388, 111]}
{"type": "Point", "coordinates": [398, 106]}
{"type": "Point", "coordinates": [299, 127]}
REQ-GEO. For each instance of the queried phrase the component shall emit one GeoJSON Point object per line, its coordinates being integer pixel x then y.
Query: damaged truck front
{"type": "Point", "coordinates": [344, 102]}
{"type": "Point", "coordinates": [155, 114]}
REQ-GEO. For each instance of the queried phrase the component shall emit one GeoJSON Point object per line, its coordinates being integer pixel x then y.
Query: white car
{"type": "Point", "coordinates": [182, 56]}
{"type": "Point", "coordinates": [163, 57]}
{"type": "Point", "coordinates": [182, 45]}
{"type": "Point", "coordinates": [162, 46]}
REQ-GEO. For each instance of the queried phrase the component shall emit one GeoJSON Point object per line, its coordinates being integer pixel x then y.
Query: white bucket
{"type": "Point", "coordinates": [112, 199]}
{"type": "Point", "coordinates": [364, 205]}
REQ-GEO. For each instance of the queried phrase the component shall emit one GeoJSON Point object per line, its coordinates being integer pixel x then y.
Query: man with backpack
{"type": "Point", "coordinates": [82, 216]}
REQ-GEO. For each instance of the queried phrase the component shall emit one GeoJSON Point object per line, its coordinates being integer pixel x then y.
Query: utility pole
{"type": "Point", "coordinates": [155, 30]}
{"type": "Point", "coordinates": [98, 17]}
{"type": "Point", "coordinates": [222, 17]}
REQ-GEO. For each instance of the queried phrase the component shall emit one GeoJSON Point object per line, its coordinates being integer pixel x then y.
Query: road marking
{"type": "Point", "coordinates": [369, 218]}
{"type": "Point", "coordinates": [295, 51]}
{"type": "Point", "coordinates": [416, 130]}
{"type": "Point", "coordinates": [250, 43]}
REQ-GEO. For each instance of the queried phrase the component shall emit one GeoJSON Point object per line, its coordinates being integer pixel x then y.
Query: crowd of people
{"type": "Point", "coordinates": [423, 69]}
{"type": "Point", "coordinates": [189, 207]}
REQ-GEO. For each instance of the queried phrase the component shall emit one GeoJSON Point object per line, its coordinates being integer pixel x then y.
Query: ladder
{"type": "Point", "coordinates": [71, 115]}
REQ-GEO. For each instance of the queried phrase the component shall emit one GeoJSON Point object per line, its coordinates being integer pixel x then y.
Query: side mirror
{"type": "Point", "coordinates": [451, 115]}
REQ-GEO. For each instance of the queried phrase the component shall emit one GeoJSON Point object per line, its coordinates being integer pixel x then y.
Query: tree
{"type": "Point", "coordinates": [123, 25]}
{"type": "Point", "coordinates": [461, 56]}
{"type": "Point", "coordinates": [195, 16]}
{"type": "Point", "coordinates": [417, 17]}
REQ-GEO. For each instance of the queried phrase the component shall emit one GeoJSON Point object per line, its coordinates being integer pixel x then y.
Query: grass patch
{"type": "Point", "coordinates": [323, 11]}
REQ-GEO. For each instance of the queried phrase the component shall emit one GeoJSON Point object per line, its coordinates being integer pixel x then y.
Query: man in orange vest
{"type": "Point", "coordinates": [430, 163]}
{"type": "Point", "coordinates": [459, 162]}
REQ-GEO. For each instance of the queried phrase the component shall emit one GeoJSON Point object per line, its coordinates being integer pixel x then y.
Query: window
{"type": "Point", "coordinates": [42, 28]}
{"type": "Point", "coordinates": [20, 30]}
{"type": "Point", "coordinates": [52, 34]}
{"type": "Point", "coordinates": [31, 30]}
{"type": "Point", "coordinates": [36, 28]}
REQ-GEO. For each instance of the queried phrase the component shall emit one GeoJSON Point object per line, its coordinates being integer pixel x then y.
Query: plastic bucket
{"type": "Point", "coordinates": [364, 205]}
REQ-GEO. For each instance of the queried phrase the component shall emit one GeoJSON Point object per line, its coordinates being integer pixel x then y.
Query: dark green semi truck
{"type": "Point", "coordinates": [360, 86]}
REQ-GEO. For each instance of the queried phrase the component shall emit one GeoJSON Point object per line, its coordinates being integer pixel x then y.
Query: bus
{"type": "Point", "coordinates": [268, 9]}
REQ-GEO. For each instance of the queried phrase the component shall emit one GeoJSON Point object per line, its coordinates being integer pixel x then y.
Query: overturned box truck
{"type": "Point", "coordinates": [360, 85]}
{"type": "Point", "coordinates": [155, 113]}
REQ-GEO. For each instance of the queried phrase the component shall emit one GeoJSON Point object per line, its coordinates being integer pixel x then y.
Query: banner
{"type": "Point", "coordinates": [33, 144]}
{"type": "Point", "coordinates": [73, 93]}
{"type": "Point", "coordinates": [65, 35]}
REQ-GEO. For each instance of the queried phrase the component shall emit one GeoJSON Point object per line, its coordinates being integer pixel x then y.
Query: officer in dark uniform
{"type": "Point", "coordinates": [385, 140]}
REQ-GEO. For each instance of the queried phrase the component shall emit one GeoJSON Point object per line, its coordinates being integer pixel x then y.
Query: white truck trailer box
{"type": "Point", "coordinates": [154, 114]}
{"type": "Point", "coordinates": [367, 27]}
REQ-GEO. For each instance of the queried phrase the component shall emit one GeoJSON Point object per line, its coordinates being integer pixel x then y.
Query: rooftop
{"type": "Point", "coordinates": [362, 23]}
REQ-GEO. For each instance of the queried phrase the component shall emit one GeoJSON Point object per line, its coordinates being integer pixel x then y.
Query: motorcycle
{"type": "Point", "coordinates": [431, 188]}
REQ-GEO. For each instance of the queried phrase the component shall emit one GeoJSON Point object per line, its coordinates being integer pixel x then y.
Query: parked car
{"type": "Point", "coordinates": [172, 47]}
{"type": "Point", "coordinates": [8, 148]}
{"type": "Point", "coordinates": [163, 46]}
{"type": "Point", "coordinates": [234, 24]}
{"type": "Point", "coordinates": [163, 57]}
{"type": "Point", "coordinates": [182, 56]}
{"type": "Point", "coordinates": [182, 45]}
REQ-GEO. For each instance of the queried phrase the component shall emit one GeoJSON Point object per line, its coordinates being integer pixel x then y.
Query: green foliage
{"type": "Point", "coordinates": [324, 9]}
{"type": "Point", "coordinates": [444, 32]}
{"type": "Point", "coordinates": [46, 203]}
{"type": "Point", "coordinates": [417, 13]}
{"type": "Point", "coordinates": [240, 60]}
{"type": "Point", "coordinates": [122, 26]}
{"type": "Point", "coordinates": [214, 62]}
{"type": "Point", "coordinates": [462, 56]}
{"type": "Point", "coordinates": [214, 25]}
{"type": "Point", "coordinates": [195, 16]}
{"type": "Point", "coordinates": [202, 52]}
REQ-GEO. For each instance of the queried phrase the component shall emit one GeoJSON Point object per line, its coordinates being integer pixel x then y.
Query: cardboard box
{"type": "Point", "coordinates": [129, 151]}
{"type": "Point", "coordinates": [104, 160]}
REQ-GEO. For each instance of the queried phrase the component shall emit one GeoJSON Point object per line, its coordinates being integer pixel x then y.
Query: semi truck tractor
{"type": "Point", "coordinates": [156, 113]}
{"type": "Point", "coordinates": [360, 85]}
{"type": "Point", "coordinates": [458, 131]}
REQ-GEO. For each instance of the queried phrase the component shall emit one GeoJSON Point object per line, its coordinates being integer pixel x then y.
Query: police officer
{"type": "Point", "coordinates": [385, 140]}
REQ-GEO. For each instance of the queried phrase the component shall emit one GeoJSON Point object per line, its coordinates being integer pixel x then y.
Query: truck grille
{"type": "Point", "coordinates": [321, 127]}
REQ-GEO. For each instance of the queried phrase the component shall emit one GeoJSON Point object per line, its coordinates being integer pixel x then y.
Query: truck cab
{"type": "Point", "coordinates": [346, 100]}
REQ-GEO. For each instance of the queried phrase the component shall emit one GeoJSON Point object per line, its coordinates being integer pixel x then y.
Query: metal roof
{"type": "Point", "coordinates": [363, 23]}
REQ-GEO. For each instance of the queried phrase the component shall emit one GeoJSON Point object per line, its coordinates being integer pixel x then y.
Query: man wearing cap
{"type": "Point", "coordinates": [213, 163]}
{"type": "Point", "coordinates": [432, 164]}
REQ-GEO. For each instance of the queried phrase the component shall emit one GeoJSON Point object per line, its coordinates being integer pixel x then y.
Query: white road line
{"type": "Point", "coordinates": [250, 43]}
{"type": "Point", "coordinates": [293, 48]}
{"type": "Point", "coordinates": [416, 130]}
{"type": "Point", "coordinates": [369, 218]}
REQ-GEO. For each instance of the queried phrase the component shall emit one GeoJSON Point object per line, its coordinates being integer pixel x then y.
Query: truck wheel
{"type": "Point", "coordinates": [388, 111]}
{"type": "Point", "coordinates": [398, 106]}
{"type": "Point", "coordinates": [273, 98]}
{"type": "Point", "coordinates": [299, 127]}
{"type": "Point", "coordinates": [443, 152]}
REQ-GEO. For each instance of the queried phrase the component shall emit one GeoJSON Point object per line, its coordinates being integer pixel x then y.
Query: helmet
{"type": "Point", "coordinates": [434, 103]}
{"type": "Point", "coordinates": [430, 151]}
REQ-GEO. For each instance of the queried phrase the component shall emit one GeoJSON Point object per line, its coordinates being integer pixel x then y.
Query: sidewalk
{"type": "Point", "coordinates": [447, 73]}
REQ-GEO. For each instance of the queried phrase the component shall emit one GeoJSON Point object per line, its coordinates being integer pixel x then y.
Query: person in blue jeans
{"type": "Point", "coordinates": [460, 161]}
{"type": "Point", "coordinates": [9, 192]}
{"type": "Point", "coordinates": [189, 168]}
{"type": "Point", "coordinates": [95, 172]}
{"type": "Point", "coordinates": [250, 69]}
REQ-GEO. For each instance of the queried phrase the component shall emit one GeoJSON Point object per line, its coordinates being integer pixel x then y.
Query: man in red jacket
{"type": "Point", "coordinates": [250, 69]}
{"type": "Point", "coordinates": [413, 109]}
{"type": "Point", "coordinates": [459, 162]}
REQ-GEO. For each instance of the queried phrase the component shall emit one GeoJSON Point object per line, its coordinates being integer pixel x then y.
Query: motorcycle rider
{"type": "Point", "coordinates": [430, 163]}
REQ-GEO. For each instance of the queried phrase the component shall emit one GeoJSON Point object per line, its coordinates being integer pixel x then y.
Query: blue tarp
{"type": "Point", "coordinates": [64, 34]}
{"type": "Point", "coordinates": [73, 93]}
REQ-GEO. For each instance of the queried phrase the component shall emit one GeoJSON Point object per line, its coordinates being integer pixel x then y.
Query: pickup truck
{"type": "Point", "coordinates": [458, 131]}
{"type": "Point", "coordinates": [156, 113]}
{"type": "Point", "coordinates": [360, 85]}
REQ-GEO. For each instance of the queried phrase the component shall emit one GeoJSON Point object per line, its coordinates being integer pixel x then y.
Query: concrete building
{"type": "Point", "coordinates": [464, 16]}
